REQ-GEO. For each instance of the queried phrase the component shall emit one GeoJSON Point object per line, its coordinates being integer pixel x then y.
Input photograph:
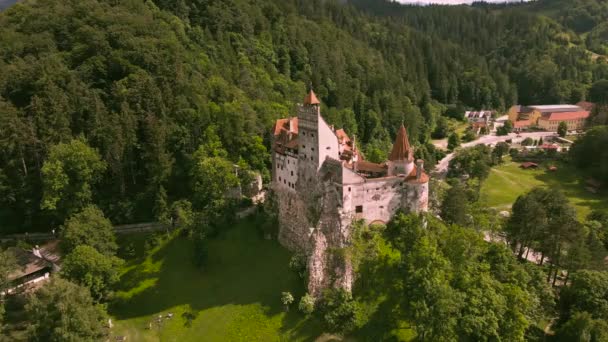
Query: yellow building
{"type": "Point", "coordinates": [544, 116]}
{"type": "Point", "coordinates": [574, 120]}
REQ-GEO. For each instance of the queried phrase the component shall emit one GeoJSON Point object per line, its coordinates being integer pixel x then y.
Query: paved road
{"type": "Point", "coordinates": [442, 167]}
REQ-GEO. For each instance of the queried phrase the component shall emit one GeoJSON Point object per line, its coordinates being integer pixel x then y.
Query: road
{"type": "Point", "coordinates": [442, 167]}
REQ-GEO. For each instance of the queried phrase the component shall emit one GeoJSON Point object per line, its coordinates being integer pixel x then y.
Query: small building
{"type": "Point", "coordinates": [528, 165]}
{"type": "Point", "coordinates": [34, 266]}
{"type": "Point", "coordinates": [479, 117]}
{"type": "Point", "coordinates": [549, 147]}
{"type": "Point", "coordinates": [521, 125]}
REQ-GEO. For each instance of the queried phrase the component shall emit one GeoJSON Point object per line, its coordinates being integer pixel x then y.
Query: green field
{"type": "Point", "coordinates": [235, 298]}
{"type": "Point", "coordinates": [506, 182]}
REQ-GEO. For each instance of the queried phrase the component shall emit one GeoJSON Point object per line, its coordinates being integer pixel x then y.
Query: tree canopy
{"type": "Point", "coordinates": [62, 311]}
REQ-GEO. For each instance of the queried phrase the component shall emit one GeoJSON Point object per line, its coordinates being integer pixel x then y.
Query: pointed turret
{"type": "Point", "coordinates": [401, 147]}
{"type": "Point", "coordinates": [311, 99]}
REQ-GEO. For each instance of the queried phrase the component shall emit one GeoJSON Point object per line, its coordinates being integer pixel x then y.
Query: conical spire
{"type": "Point", "coordinates": [401, 147]}
{"type": "Point", "coordinates": [311, 98]}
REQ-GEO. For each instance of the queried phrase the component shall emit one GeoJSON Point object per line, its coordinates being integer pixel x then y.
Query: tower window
{"type": "Point", "coordinates": [312, 148]}
{"type": "Point", "coordinates": [312, 135]}
{"type": "Point", "coordinates": [349, 189]}
{"type": "Point", "coordinates": [292, 173]}
{"type": "Point", "coordinates": [359, 209]}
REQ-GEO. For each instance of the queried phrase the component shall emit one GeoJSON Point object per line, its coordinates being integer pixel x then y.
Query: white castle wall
{"type": "Point", "coordinates": [286, 171]}
{"type": "Point", "coordinates": [328, 142]}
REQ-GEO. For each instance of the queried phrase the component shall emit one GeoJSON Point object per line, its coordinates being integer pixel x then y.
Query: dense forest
{"type": "Point", "coordinates": [127, 104]}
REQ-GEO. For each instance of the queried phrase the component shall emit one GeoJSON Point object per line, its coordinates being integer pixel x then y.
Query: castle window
{"type": "Point", "coordinates": [312, 135]}
{"type": "Point", "coordinates": [381, 207]}
{"type": "Point", "coordinates": [280, 179]}
{"type": "Point", "coordinates": [284, 181]}
{"type": "Point", "coordinates": [292, 173]}
{"type": "Point", "coordinates": [349, 189]}
{"type": "Point", "coordinates": [359, 209]}
{"type": "Point", "coordinates": [329, 148]}
{"type": "Point", "coordinates": [312, 158]}
{"type": "Point", "coordinates": [304, 133]}
{"type": "Point", "coordinates": [303, 146]}
{"type": "Point", "coordinates": [312, 149]}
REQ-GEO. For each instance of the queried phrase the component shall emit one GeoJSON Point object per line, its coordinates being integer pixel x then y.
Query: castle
{"type": "Point", "coordinates": [323, 184]}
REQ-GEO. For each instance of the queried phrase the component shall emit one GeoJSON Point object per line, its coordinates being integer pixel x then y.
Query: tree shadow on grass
{"type": "Point", "coordinates": [572, 183]}
{"type": "Point", "coordinates": [241, 269]}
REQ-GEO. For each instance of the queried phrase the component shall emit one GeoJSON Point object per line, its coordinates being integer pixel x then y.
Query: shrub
{"type": "Point", "coordinates": [307, 304]}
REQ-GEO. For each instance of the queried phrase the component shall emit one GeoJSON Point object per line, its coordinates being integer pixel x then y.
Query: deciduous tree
{"type": "Point", "coordinates": [89, 268]}
{"type": "Point", "coordinates": [63, 311]}
{"type": "Point", "coordinates": [89, 227]}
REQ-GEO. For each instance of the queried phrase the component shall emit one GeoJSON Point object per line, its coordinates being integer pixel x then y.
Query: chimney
{"type": "Point", "coordinates": [419, 168]}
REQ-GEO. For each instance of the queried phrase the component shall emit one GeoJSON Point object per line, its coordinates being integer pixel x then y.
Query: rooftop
{"type": "Point", "coordinates": [311, 98]}
{"type": "Point", "coordinates": [401, 147]}
{"type": "Point", "coordinates": [560, 116]}
{"type": "Point", "coordinates": [556, 108]}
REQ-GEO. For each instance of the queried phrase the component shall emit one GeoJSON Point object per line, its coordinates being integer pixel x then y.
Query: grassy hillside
{"type": "Point", "coordinates": [235, 297]}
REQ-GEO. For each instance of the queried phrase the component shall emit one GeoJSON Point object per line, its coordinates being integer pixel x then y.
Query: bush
{"type": "Point", "coordinates": [339, 310]}
{"type": "Point", "coordinates": [298, 264]}
{"type": "Point", "coordinates": [307, 304]}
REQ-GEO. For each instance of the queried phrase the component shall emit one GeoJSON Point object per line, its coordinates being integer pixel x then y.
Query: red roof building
{"type": "Point", "coordinates": [528, 165]}
{"type": "Point", "coordinates": [574, 120]}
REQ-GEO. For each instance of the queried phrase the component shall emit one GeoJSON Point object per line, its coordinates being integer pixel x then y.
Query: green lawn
{"type": "Point", "coordinates": [506, 182]}
{"type": "Point", "coordinates": [235, 298]}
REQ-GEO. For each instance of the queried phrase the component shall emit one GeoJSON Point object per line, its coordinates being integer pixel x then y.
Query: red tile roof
{"type": "Point", "coordinates": [549, 146]}
{"type": "Point", "coordinates": [342, 136]}
{"type": "Point", "coordinates": [366, 166]}
{"type": "Point", "coordinates": [411, 178]}
{"type": "Point", "coordinates": [311, 99]}
{"type": "Point", "coordinates": [528, 165]}
{"type": "Point", "coordinates": [561, 116]}
{"type": "Point", "coordinates": [401, 147]}
{"type": "Point", "coordinates": [283, 124]}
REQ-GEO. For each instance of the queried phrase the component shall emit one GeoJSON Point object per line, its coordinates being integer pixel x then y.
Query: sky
{"type": "Point", "coordinates": [450, 2]}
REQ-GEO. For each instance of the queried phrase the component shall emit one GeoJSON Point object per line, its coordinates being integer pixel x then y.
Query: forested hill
{"type": "Point", "coordinates": [124, 103]}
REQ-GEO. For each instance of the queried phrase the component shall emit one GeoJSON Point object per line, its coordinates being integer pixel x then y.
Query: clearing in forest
{"type": "Point", "coordinates": [507, 181]}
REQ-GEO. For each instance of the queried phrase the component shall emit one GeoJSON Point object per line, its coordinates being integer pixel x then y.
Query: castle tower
{"type": "Point", "coordinates": [308, 136]}
{"type": "Point", "coordinates": [401, 159]}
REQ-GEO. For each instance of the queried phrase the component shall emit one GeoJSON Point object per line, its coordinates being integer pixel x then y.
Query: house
{"type": "Point", "coordinates": [547, 147]}
{"type": "Point", "coordinates": [479, 119]}
{"type": "Point", "coordinates": [528, 165]}
{"type": "Point", "coordinates": [34, 266]}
